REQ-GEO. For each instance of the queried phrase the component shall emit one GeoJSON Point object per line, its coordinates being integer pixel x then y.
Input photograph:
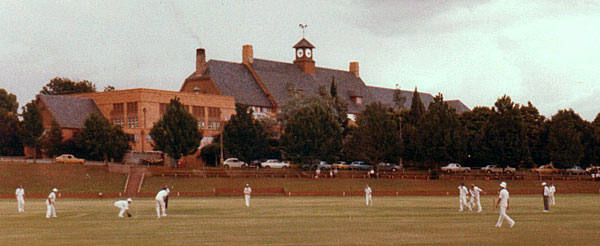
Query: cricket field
{"type": "Point", "coordinates": [278, 220]}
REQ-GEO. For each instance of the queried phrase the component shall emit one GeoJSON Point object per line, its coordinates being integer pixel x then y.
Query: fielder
{"type": "Point", "coordinates": [503, 202]}
{"type": "Point", "coordinates": [462, 197]}
{"type": "Point", "coordinates": [552, 191]}
{"type": "Point", "coordinates": [124, 206]}
{"type": "Point", "coordinates": [546, 194]}
{"type": "Point", "coordinates": [50, 210]}
{"type": "Point", "coordinates": [368, 195]}
{"type": "Point", "coordinates": [160, 202]}
{"type": "Point", "coordinates": [475, 197]}
{"type": "Point", "coordinates": [247, 192]}
{"type": "Point", "coordinates": [20, 193]}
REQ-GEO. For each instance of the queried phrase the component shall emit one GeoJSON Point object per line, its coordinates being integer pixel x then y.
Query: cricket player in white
{"type": "Point", "coordinates": [124, 206]}
{"type": "Point", "coordinates": [475, 197]}
{"type": "Point", "coordinates": [503, 202]}
{"type": "Point", "coordinates": [546, 196]}
{"type": "Point", "coordinates": [462, 197]}
{"type": "Point", "coordinates": [160, 202]}
{"type": "Point", "coordinates": [20, 193]}
{"type": "Point", "coordinates": [247, 192]}
{"type": "Point", "coordinates": [552, 191]}
{"type": "Point", "coordinates": [368, 195]}
{"type": "Point", "coordinates": [50, 210]}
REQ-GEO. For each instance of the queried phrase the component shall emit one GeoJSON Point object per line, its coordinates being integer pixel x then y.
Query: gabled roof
{"type": "Point", "coordinates": [279, 77]}
{"type": "Point", "coordinates": [234, 79]}
{"type": "Point", "coordinates": [386, 96]}
{"type": "Point", "coordinates": [303, 43]}
{"type": "Point", "coordinates": [70, 112]}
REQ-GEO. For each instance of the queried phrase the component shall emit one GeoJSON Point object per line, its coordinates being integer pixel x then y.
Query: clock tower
{"type": "Point", "coordinates": [304, 56]}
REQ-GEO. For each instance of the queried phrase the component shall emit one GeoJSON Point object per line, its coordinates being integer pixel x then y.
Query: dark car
{"type": "Point", "coordinates": [384, 166]}
{"type": "Point", "coordinates": [360, 165]}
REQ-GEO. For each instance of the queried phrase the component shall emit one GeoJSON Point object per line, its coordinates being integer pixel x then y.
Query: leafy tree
{"type": "Point", "coordinates": [10, 141]}
{"type": "Point", "coordinates": [210, 154]}
{"type": "Point", "coordinates": [377, 136]}
{"type": "Point", "coordinates": [410, 127]}
{"type": "Point", "coordinates": [176, 133]}
{"type": "Point", "coordinates": [64, 86]}
{"type": "Point", "coordinates": [504, 136]}
{"type": "Point", "coordinates": [244, 137]}
{"type": "Point", "coordinates": [474, 122]}
{"type": "Point", "coordinates": [399, 98]}
{"type": "Point", "coordinates": [312, 132]}
{"type": "Point", "coordinates": [101, 140]}
{"type": "Point", "coordinates": [32, 130]}
{"type": "Point", "coordinates": [417, 109]}
{"type": "Point", "coordinates": [8, 102]}
{"type": "Point", "coordinates": [52, 140]}
{"type": "Point", "coordinates": [565, 146]}
{"type": "Point", "coordinates": [592, 150]}
{"type": "Point", "coordinates": [441, 134]}
{"type": "Point", "coordinates": [536, 135]}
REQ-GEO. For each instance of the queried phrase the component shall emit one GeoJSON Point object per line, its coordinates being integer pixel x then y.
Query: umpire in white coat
{"type": "Point", "coordinates": [247, 192]}
{"type": "Point", "coordinates": [20, 194]}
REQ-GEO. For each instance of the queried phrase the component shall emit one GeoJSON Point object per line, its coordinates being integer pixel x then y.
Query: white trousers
{"type": "Point", "coordinates": [123, 209]}
{"type": "Point", "coordinates": [369, 200]}
{"type": "Point", "coordinates": [50, 210]}
{"type": "Point", "coordinates": [552, 201]}
{"type": "Point", "coordinates": [504, 216]}
{"type": "Point", "coordinates": [247, 200]}
{"type": "Point", "coordinates": [21, 204]}
{"type": "Point", "coordinates": [462, 200]}
{"type": "Point", "coordinates": [160, 204]}
{"type": "Point", "coordinates": [475, 201]}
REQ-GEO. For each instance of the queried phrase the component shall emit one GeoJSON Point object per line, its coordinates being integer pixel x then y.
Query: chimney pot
{"type": "Point", "coordinates": [354, 69]}
{"type": "Point", "coordinates": [247, 54]}
{"type": "Point", "coordinates": [200, 61]}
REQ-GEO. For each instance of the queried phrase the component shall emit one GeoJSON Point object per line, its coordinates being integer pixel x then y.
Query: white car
{"type": "Point", "coordinates": [234, 162]}
{"type": "Point", "coordinates": [274, 164]}
{"type": "Point", "coordinates": [455, 167]}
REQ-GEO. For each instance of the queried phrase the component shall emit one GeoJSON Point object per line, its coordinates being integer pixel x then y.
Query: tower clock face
{"type": "Point", "coordinates": [308, 53]}
{"type": "Point", "coordinates": [299, 52]}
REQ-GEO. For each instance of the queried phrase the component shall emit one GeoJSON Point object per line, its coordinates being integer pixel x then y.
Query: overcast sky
{"type": "Point", "coordinates": [546, 52]}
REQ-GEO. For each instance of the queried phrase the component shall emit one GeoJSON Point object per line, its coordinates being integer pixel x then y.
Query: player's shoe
{"type": "Point", "coordinates": [513, 224]}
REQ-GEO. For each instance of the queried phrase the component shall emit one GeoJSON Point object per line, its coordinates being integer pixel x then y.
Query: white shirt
{"type": "Point", "coordinates": [475, 192]}
{"type": "Point", "coordinates": [161, 195]}
{"type": "Point", "coordinates": [52, 198]}
{"type": "Point", "coordinates": [368, 191]}
{"type": "Point", "coordinates": [20, 192]}
{"type": "Point", "coordinates": [503, 198]}
{"type": "Point", "coordinates": [552, 190]}
{"type": "Point", "coordinates": [122, 204]}
{"type": "Point", "coordinates": [247, 191]}
{"type": "Point", "coordinates": [462, 191]}
{"type": "Point", "coordinates": [546, 191]}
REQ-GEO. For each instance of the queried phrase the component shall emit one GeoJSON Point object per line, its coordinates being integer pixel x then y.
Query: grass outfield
{"type": "Point", "coordinates": [303, 221]}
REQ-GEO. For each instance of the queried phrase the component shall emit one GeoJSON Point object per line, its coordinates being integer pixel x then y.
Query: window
{"type": "Point", "coordinates": [132, 122]}
{"type": "Point", "coordinates": [352, 117]}
{"type": "Point", "coordinates": [117, 109]}
{"type": "Point", "coordinates": [214, 118]}
{"type": "Point", "coordinates": [198, 113]}
{"type": "Point", "coordinates": [132, 108]}
{"type": "Point", "coordinates": [162, 109]}
{"type": "Point", "coordinates": [119, 122]}
{"type": "Point", "coordinates": [136, 138]}
{"type": "Point", "coordinates": [358, 100]}
{"type": "Point", "coordinates": [214, 125]}
{"type": "Point", "coordinates": [201, 124]}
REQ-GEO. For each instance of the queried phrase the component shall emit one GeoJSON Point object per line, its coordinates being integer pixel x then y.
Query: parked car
{"type": "Point", "coordinates": [592, 169]}
{"type": "Point", "coordinates": [255, 163]}
{"type": "Point", "coordinates": [234, 162]}
{"type": "Point", "coordinates": [273, 163]}
{"type": "Point", "coordinates": [456, 168]}
{"type": "Point", "coordinates": [291, 165]}
{"type": "Point", "coordinates": [497, 169]}
{"type": "Point", "coordinates": [575, 170]}
{"type": "Point", "coordinates": [340, 165]}
{"type": "Point", "coordinates": [69, 159]}
{"type": "Point", "coordinates": [384, 166]}
{"type": "Point", "coordinates": [323, 165]}
{"type": "Point", "coordinates": [545, 169]}
{"type": "Point", "coordinates": [360, 165]}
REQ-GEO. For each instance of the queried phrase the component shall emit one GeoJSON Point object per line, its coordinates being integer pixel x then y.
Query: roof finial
{"type": "Point", "coordinates": [303, 26]}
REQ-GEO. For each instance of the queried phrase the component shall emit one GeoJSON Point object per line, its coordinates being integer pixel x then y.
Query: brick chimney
{"type": "Point", "coordinates": [354, 69]}
{"type": "Point", "coordinates": [247, 54]}
{"type": "Point", "coordinates": [200, 62]}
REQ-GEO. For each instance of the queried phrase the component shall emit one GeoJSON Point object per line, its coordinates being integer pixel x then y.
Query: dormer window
{"type": "Point", "coordinates": [357, 100]}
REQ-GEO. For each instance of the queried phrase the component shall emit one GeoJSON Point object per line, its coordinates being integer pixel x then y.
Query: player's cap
{"type": "Point", "coordinates": [543, 183]}
{"type": "Point", "coordinates": [129, 200]}
{"type": "Point", "coordinates": [55, 190]}
{"type": "Point", "coordinates": [503, 184]}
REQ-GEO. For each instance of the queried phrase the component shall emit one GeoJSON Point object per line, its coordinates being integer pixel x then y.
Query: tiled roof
{"type": "Point", "coordinates": [458, 105]}
{"type": "Point", "coordinates": [279, 77]}
{"type": "Point", "coordinates": [234, 79]}
{"type": "Point", "coordinates": [386, 96]}
{"type": "Point", "coordinates": [303, 43]}
{"type": "Point", "coordinates": [70, 112]}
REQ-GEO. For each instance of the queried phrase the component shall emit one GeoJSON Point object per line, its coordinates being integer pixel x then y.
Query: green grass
{"type": "Point", "coordinates": [40, 178]}
{"type": "Point", "coordinates": [303, 221]}
{"type": "Point", "coordinates": [152, 184]}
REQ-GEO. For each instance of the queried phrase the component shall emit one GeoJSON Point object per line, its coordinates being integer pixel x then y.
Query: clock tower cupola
{"type": "Point", "coordinates": [304, 56]}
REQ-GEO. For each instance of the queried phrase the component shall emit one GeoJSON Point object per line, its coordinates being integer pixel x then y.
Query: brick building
{"type": "Point", "coordinates": [264, 85]}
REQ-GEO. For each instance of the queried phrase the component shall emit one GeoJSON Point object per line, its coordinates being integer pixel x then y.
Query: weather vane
{"type": "Point", "coordinates": [303, 26]}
